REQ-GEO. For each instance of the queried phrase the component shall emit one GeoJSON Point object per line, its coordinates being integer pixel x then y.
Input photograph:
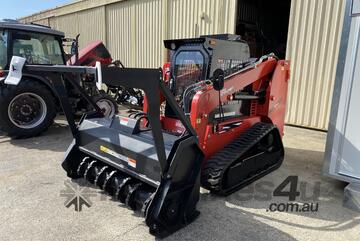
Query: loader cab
{"type": "Point", "coordinates": [196, 59]}
{"type": "Point", "coordinates": [189, 64]}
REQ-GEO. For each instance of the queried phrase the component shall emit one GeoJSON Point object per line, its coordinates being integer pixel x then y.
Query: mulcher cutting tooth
{"type": "Point", "coordinates": [141, 199]}
{"type": "Point", "coordinates": [120, 189]}
{"type": "Point", "coordinates": [144, 201]}
{"type": "Point", "coordinates": [113, 183]}
{"type": "Point", "coordinates": [92, 171]}
{"type": "Point", "coordinates": [82, 166]}
{"type": "Point", "coordinates": [126, 190]}
{"type": "Point", "coordinates": [91, 164]}
{"type": "Point", "coordinates": [108, 177]}
{"type": "Point", "coordinates": [132, 189]}
{"type": "Point", "coordinates": [101, 176]}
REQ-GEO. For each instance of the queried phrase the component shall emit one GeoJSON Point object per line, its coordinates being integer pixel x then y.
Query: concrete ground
{"type": "Point", "coordinates": [32, 208]}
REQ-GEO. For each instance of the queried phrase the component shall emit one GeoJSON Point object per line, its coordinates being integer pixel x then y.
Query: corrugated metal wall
{"type": "Point", "coordinates": [148, 33]}
{"type": "Point", "coordinates": [90, 24]}
{"type": "Point", "coordinates": [134, 30]}
{"type": "Point", "coordinates": [43, 22]}
{"type": "Point", "coordinates": [189, 18]}
{"type": "Point", "coordinates": [313, 46]}
{"type": "Point", "coordinates": [119, 31]}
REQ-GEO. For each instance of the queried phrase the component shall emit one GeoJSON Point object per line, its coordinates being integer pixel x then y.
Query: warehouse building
{"type": "Point", "coordinates": [307, 32]}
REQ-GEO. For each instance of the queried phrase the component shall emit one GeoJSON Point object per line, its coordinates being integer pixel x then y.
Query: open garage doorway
{"type": "Point", "coordinates": [264, 25]}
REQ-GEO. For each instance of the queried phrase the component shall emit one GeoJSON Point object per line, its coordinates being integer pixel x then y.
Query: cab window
{"type": "Point", "coordinates": [37, 48]}
{"type": "Point", "coordinates": [189, 68]}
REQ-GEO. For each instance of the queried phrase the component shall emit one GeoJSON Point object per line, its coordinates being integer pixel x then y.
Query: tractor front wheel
{"type": "Point", "coordinates": [107, 104]}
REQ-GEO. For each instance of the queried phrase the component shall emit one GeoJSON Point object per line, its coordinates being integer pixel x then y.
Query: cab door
{"type": "Point", "coordinates": [37, 48]}
{"type": "Point", "coordinates": [4, 51]}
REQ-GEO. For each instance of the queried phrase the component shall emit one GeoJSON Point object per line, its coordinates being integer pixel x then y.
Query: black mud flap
{"type": "Point", "coordinates": [72, 160]}
{"type": "Point", "coordinates": [174, 203]}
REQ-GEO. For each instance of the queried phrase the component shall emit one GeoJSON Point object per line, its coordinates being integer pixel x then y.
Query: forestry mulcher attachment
{"type": "Point", "coordinates": [213, 118]}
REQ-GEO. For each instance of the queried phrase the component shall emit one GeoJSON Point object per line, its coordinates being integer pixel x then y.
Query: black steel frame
{"type": "Point", "coordinates": [149, 80]}
{"type": "Point", "coordinates": [57, 75]}
{"type": "Point", "coordinates": [173, 205]}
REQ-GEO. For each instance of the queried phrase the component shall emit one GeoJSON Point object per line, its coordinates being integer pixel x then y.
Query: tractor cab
{"type": "Point", "coordinates": [38, 44]}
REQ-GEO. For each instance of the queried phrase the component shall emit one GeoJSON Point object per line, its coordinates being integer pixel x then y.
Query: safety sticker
{"type": "Point", "coordinates": [113, 153]}
{"type": "Point", "coordinates": [124, 121]}
{"type": "Point", "coordinates": [132, 163]}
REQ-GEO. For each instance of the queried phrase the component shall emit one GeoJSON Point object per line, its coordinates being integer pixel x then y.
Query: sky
{"type": "Point", "coordinates": [19, 8]}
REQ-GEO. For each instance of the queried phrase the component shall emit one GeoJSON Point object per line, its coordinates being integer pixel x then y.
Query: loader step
{"type": "Point", "coordinates": [252, 155]}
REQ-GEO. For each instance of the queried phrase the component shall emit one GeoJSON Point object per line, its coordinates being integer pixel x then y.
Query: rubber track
{"type": "Point", "coordinates": [219, 163]}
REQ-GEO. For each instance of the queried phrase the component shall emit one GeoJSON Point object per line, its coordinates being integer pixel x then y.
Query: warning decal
{"type": "Point", "coordinates": [124, 121]}
{"type": "Point", "coordinates": [131, 162]}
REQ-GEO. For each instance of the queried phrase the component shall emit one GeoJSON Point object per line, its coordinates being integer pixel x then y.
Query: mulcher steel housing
{"type": "Point", "coordinates": [213, 117]}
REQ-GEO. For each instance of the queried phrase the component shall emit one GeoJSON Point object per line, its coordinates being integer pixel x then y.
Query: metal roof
{"type": "Point", "coordinates": [13, 24]}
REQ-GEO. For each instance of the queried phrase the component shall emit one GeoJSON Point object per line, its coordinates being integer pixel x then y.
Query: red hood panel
{"type": "Point", "coordinates": [93, 52]}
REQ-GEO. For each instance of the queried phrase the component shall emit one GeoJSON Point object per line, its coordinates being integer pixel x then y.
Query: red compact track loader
{"type": "Point", "coordinates": [214, 119]}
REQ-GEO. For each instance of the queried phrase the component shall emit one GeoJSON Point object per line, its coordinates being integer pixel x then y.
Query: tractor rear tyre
{"type": "Point", "coordinates": [26, 110]}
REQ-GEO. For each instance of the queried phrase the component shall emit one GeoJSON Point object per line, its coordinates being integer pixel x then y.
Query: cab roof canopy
{"type": "Point", "coordinates": [13, 24]}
